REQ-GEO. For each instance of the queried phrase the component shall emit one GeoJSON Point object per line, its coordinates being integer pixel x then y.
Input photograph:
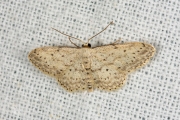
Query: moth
{"type": "Point", "coordinates": [88, 68]}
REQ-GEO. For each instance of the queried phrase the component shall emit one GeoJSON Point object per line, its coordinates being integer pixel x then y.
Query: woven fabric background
{"type": "Point", "coordinates": [151, 93]}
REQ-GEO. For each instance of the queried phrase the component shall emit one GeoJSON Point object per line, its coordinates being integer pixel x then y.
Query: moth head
{"type": "Point", "coordinates": [86, 45]}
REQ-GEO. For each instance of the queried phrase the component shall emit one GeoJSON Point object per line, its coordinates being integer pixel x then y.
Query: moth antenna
{"type": "Point", "coordinates": [111, 23]}
{"type": "Point", "coordinates": [68, 35]}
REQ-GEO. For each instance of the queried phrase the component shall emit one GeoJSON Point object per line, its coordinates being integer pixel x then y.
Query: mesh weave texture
{"type": "Point", "coordinates": [151, 93]}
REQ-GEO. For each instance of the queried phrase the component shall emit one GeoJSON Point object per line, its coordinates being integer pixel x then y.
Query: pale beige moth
{"type": "Point", "coordinates": [88, 68]}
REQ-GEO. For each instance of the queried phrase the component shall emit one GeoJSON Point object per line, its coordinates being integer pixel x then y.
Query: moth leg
{"type": "Point", "coordinates": [117, 41]}
{"type": "Point", "coordinates": [73, 43]}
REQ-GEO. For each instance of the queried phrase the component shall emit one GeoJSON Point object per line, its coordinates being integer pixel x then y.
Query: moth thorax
{"type": "Point", "coordinates": [86, 60]}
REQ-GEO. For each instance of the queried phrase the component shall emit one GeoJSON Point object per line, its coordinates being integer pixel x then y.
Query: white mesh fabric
{"type": "Point", "coordinates": [151, 93]}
